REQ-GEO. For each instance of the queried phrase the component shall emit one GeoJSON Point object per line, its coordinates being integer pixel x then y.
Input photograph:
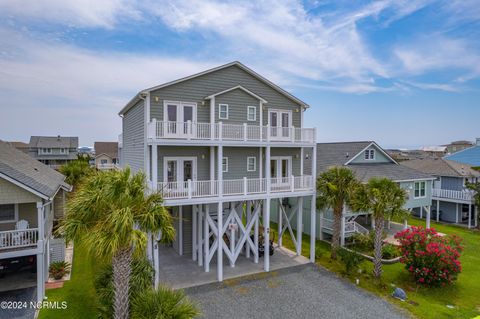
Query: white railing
{"type": "Point", "coordinates": [228, 132]}
{"type": "Point", "coordinates": [18, 238]}
{"type": "Point", "coordinates": [351, 227]}
{"type": "Point", "coordinates": [233, 187]}
{"type": "Point", "coordinates": [466, 195]}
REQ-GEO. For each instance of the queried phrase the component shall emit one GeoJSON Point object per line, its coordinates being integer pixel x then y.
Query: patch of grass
{"type": "Point", "coordinates": [422, 302]}
{"type": "Point", "coordinates": [78, 292]}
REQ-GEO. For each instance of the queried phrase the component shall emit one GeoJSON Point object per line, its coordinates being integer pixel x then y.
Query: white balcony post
{"type": "Point", "coordinates": [313, 215]}
{"type": "Point", "coordinates": [40, 277]}
{"type": "Point", "coordinates": [456, 213]}
{"type": "Point", "coordinates": [438, 210]}
{"type": "Point", "coordinates": [220, 170]}
{"type": "Point", "coordinates": [267, 168]}
{"type": "Point", "coordinates": [206, 237]}
{"type": "Point", "coordinates": [189, 130]}
{"type": "Point", "coordinates": [245, 131]}
{"type": "Point", "coordinates": [427, 216]}
{"type": "Point", "coordinates": [475, 217]}
{"type": "Point", "coordinates": [292, 133]}
{"type": "Point", "coordinates": [153, 129]}
{"type": "Point", "coordinates": [260, 163]}
{"type": "Point", "coordinates": [189, 188]}
{"type": "Point", "coordinates": [280, 223]}
{"type": "Point", "coordinates": [266, 234]}
{"type": "Point", "coordinates": [268, 133]}
{"type": "Point", "coordinates": [245, 190]}
{"type": "Point", "coordinates": [220, 131]}
{"type": "Point", "coordinates": [220, 241]}
{"type": "Point", "coordinates": [201, 216]}
{"type": "Point", "coordinates": [212, 170]}
{"type": "Point", "coordinates": [40, 221]}
{"type": "Point", "coordinates": [154, 163]}
{"type": "Point", "coordinates": [299, 225]}
{"type": "Point", "coordinates": [302, 156]}
{"type": "Point", "coordinates": [292, 183]}
{"type": "Point", "coordinates": [194, 232]}
{"type": "Point", "coordinates": [469, 216]}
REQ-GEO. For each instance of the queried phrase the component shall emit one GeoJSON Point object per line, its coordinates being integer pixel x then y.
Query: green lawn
{"type": "Point", "coordinates": [464, 295]}
{"type": "Point", "coordinates": [78, 292]}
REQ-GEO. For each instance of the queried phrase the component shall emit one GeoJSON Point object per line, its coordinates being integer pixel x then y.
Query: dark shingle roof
{"type": "Point", "coordinates": [107, 148]}
{"type": "Point", "coordinates": [30, 172]}
{"type": "Point", "coordinates": [54, 141]}
{"type": "Point", "coordinates": [442, 167]}
{"type": "Point", "coordinates": [338, 154]}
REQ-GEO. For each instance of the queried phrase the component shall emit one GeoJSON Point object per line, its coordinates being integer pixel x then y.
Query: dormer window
{"type": "Point", "coordinates": [369, 155]}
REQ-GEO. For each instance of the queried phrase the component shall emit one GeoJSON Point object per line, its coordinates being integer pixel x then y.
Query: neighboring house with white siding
{"type": "Point", "coordinates": [452, 201]}
{"type": "Point", "coordinates": [32, 196]}
{"type": "Point", "coordinates": [53, 151]}
{"type": "Point", "coordinates": [106, 155]}
{"type": "Point", "coordinates": [221, 146]}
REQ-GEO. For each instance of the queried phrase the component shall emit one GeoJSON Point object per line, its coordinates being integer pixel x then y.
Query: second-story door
{"type": "Point", "coordinates": [280, 171]}
{"type": "Point", "coordinates": [280, 122]}
{"type": "Point", "coordinates": [178, 170]}
{"type": "Point", "coordinates": [179, 119]}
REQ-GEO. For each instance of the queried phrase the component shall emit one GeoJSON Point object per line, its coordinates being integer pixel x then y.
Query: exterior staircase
{"type": "Point", "coordinates": [351, 226]}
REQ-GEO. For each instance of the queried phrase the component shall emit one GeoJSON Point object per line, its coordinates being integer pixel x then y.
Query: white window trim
{"type": "Point", "coordinates": [420, 189]}
{"type": "Point", "coordinates": [369, 151]}
{"type": "Point", "coordinates": [226, 165]}
{"type": "Point", "coordinates": [177, 158]}
{"type": "Point", "coordinates": [220, 111]}
{"type": "Point", "coordinates": [254, 164]}
{"type": "Point", "coordinates": [254, 113]}
{"type": "Point", "coordinates": [15, 217]}
{"type": "Point", "coordinates": [179, 104]}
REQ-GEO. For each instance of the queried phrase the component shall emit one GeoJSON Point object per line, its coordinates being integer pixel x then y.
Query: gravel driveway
{"type": "Point", "coordinates": [297, 292]}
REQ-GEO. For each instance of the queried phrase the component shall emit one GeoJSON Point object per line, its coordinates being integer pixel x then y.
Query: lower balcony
{"type": "Point", "coordinates": [452, 195]}
{"type": "Point", "coordinates": [245, 187]}
{"type": "Point", "coordinates": [15, 239]}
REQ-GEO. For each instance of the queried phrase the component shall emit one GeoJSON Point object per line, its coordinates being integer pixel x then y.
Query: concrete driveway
{"type": "Point", "coordinates": [297, 292]}
{"type": "Point", "coordinates": [26, 294]}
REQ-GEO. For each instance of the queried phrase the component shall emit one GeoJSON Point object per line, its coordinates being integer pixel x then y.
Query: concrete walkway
{"type": "Point", "coordinates": [297, 292]}
{"type": "Point", "coordinates": [181, 271]}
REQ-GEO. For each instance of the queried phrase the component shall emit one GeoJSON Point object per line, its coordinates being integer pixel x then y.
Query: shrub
{"type": "Point", "coordinates": [389, 251]}
{"type": "Point", "coordinates": [350, 259]}
{"type": "Point", "coordinates": [58, 269]}
{"type": "Point", "coordinates": [433, 260]}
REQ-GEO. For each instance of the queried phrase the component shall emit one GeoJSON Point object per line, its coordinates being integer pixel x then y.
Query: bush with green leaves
{"type": "Point", "coordinates": [390, 251]}
{"type": "Point", "coordinates": [58, 269]}
{"type": "Point", "coordinates": [76, 170]}
{"type": "Point", "coordinates": [350, 259]}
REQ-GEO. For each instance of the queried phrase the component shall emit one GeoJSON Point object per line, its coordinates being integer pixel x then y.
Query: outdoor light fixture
{"type": "Point", "coordinates": [156, 99]}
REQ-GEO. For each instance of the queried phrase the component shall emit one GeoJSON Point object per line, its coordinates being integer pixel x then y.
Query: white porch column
{"type": "Point", "coordinates": [156, 262]}
{"type": "Point", "coordinates": [220, 238]}
{"type": "Point", "coordinates": [313, 226]}
{"type": "Point", "coordinates": [40, 222]}
{"type": "Point", "coordinates": [469, 215]}
{"type": "Point", "coordinates": [206, 237]}
{"type": "Point", "coordinates": [212, 163]}
{"type": "Point", "coordinates": [200, 218]}
{"type": "Point", "coordinates": [405, 224]}
{"type": "Point", "coordinates": [299, 225]}
{"type": "Point", "coordinates": [456, 213]}
{"type": "Point", "coordinates": [266, 234]}
{"type": "Point", "coordinates": [280, 224]}
{"type": "Point", "coordinates": [149, 247]}
{"type": "Point", "coordinates": [256, 207]}
{"type": "Point", "coordinates": [219, 170]}
{"type": "Point", "coordinates": [421, 212]}
{"type": "Point", "coordinates": [268, 174]}
{"type": "Point", "coordinates": [194, 232]}
{"type": "Point", "coordinates": [248, 217]}
{"type": "Point", "coordinates": [180, 230]}
{"type": "Point", "coordinates": [342, 231]}
{"type": "Point", "coordinates": [438, 211]}
{"type": "Point", "coordinates": [40, 276]}
{"type": "Point", "coordinates": [260, 162]}
{"type": "Point", "coordinates": [154, 167]}
{"type": "Point", "coordinates": [301, 161]}
{"type": "Point", "coordinates": [427, 217]}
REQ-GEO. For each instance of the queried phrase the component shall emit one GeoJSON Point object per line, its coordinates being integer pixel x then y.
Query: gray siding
{"type": "Point", "coordinates": [453, 183]}
{"type": "Point", "coordinates": [133, 137]}
{"type": "Point", "coordinates": [203, 164]}
{"type": "Point", "coordinates": [238, 101]}
{"type": "Point", "coordinates": [237, 162]}
{"type": "Point", "coordinates": [293, 152]}
{"type": "Point", "coordinates": [195, 90]}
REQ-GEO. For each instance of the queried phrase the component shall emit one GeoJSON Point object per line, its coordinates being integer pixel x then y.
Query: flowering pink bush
{"type": "Point", "coordinates": [432, 259]}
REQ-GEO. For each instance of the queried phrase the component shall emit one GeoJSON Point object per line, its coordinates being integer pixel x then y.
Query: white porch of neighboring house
{"type": "Point", "coordinates": [34, 240]}
{"type": "Point", "coordinates": [454, 206]}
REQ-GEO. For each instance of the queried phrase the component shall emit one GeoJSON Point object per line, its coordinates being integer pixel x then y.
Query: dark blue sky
{"type": "Point", "coordinates": [403, 73]}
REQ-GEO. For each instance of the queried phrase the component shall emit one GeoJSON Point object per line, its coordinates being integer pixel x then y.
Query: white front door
{"type": "Point", "coordinates": [280, 122]}
{"type": "Point", "coordinates": [280, 171]}
{"type": "Point", "coordinates": [180, 170]}
{"type": "Point", "coordinates": [178, 118]}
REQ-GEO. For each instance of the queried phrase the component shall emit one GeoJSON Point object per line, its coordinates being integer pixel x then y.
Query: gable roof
{"type": "Point", "coordinates": [28, 173]}
{"type": "Point", "coordinates": [341, 154]}
{"type": "Point", "coordinates": [442, 167]}
{"type": "Point", "coordinates": [238, 87]}
{"type": "Point", "coordinates": [54, 141]}
{"type": "Point", "coordinates": [108, 148]}
{"type": "Point", "coordinates": [142, 93]}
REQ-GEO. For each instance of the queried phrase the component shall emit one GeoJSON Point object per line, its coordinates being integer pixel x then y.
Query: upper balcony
{"type": "Point", "coordinates": [233, 134]}
{"type": "Point", "coordinates": [465, 196]}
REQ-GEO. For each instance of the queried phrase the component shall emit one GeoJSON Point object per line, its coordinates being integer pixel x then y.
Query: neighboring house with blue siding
{"type": "Point", "coordinates": [367, 160]}
{"type": "Point", "coordinates": [452, 201]}
{"type": "Point", "coordinates": [221, 146]}
{"type": "Point", "coordinates": [470, 156]}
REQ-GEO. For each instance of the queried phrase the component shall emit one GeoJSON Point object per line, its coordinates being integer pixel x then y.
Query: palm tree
{"type": "Point", "coordinates": [76, 170]}
{"type": "Point", "coordinates": [110, 215]}
{"type": "Point", "coordinates": [385, 199]}
{"type": "Point", "coordinates": [334, 190]}
{"type": "Point", "coordinates": [163, 303]}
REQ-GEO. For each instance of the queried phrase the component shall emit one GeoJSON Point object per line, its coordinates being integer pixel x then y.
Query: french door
{"type": "Point", "coordinates": [178, 170]}
{"type": "Point", "coordinates": [280, 171]}
{"type": "Point", "coordinates": [178, 118]}
{"type": "Point", "coordinates": [280, 122]}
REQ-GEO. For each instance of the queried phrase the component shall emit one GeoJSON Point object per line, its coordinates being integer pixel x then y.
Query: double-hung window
{"type": "Point", "coordinates": [420, 189]}
{"type": "Point", "coordinates": [369, 155]}
{"type": "Point", "coordinates": [251, 164]}
{"type": "Point", "coordinates": [251, 113]}
{"type": "Point", "coordinates": [225, 164]}
{"type": "Point", "coordinates": [7, 213]}
{"type": "Point", "coordinates": [223, 111]}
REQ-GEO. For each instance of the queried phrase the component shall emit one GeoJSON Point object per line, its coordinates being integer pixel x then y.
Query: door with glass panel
{"type": "Point", "coordinates": [177, 172]}
{"type": "Point", "coordinates": [280, 122]}
{"type": "Point", "coordinates": [179, 119]}
{"type": "Point", "coordinates": [280, 171]}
